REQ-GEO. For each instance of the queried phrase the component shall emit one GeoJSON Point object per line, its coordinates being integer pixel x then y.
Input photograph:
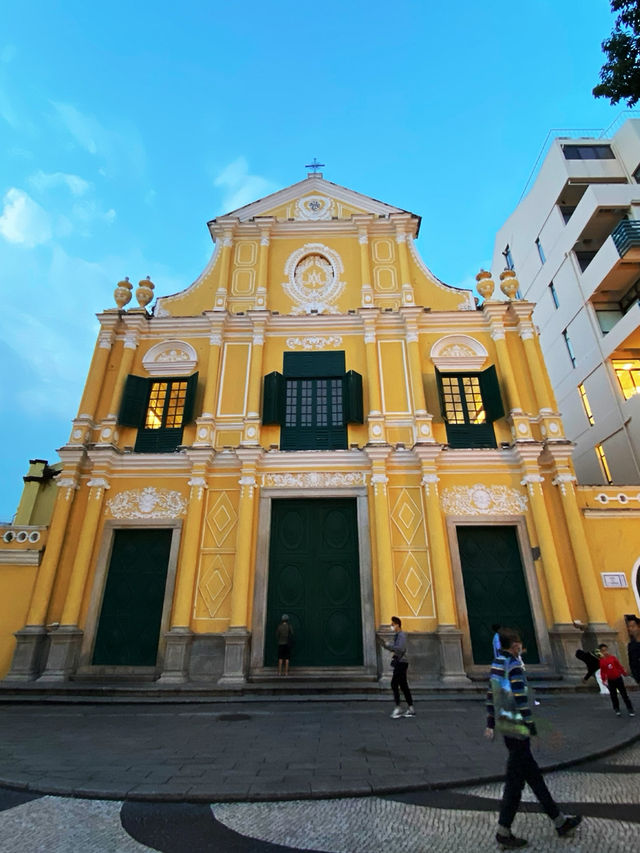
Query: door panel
{"type": "Point", "coordinates": [129, 625]}
{"type": "Point", "coordinates": [314, 577]}
{"type": "Point", "coordinates": [495, 588]}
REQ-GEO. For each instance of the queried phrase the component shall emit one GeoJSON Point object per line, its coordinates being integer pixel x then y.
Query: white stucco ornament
{"type": "Point", "coordinates": [314, 479]}
{"type": "Point", "coordinates": [313, 278]}
{"type": "Point", "coordinates": [170, 358]}
{"type": "Point", "coordinates": [147, 503]}
{"type": "Point", "coordinates": [314, 342]}
{"type": "Point", "coordinates": [482, 500]}
{"type": "Point", "coordinates": [313, 207]}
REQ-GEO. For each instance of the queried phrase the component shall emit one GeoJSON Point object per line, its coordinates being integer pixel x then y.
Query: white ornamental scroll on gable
{"type": "Point", "coordinates": [170, 358]}
{"type": "Point", "coordinates": [458, 352]}
{"type": "Point", "coordinates": [313, 279]}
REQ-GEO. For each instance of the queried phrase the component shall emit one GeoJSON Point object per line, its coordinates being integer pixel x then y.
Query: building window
{"type": "Point", "coordinates": [636, 175]}
{"type": "Point", "coordinates": [628, 373]}
{"type": "Point", "coordinates": [584, 258]}
{"type": "Point", "coordinates": [567, 211]}
{"type": "Point", "coordinates": [604, 465]}
{"type": "Point", "coordinates": [607, 318]}
{"type": "Point", "coordinates": [554, 294]}
{"type": "Point", "coordinates": [508, 259]}
{"type": "Point", "coordinates": [588, 152]}
{"type": "Point", "coordinates": [569, 346]}
{"type": "Point", "coordinates": [470, 403]}
{"type": "Point", "coordinates": [313, 401]}
{"type": "Point", "coordinates": [585, 403]}
{"type": "Point", "coordinates": [540, 250]}
{"type": "Point", "coordinates": [159, 408]}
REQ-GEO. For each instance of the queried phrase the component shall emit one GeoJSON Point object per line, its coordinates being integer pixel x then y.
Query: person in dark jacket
{"type": "Point", "coordinates": [633, 649]}
{"type": "Point", "coordinates": [400, 665]}
{"type": "Point", "coordinates": [284, 635]}
{"type": "Point", "coordinates": [509, 713]}
{"type": "Point", "coordinates": [591, 661]}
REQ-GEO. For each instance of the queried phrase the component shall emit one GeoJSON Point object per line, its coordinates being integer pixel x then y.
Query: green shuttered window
{"type": "Point", "coordinates": [313, 401]}
{"type": "Point", "coordinates": [470, 403]}
{"type": "Point", "coordinates": [159, 408]}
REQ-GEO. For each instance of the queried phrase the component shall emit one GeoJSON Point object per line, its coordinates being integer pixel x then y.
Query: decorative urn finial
{"type": "Point", "coordinates": [509, 284]}
{"type": "Point", "coordinates": [144, 292]}
{"type": "Point", "coordinates": [485, 285]}
{"type": "Point", "coordinates": [122, 293]}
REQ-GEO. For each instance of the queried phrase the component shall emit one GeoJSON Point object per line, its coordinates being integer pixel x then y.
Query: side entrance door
{"type": "Point", "coordinates": [494, 587]}
{"type": "Point", "coordinates": [314, 577]}
{"type": "Point", "coordinates": [129, 624]}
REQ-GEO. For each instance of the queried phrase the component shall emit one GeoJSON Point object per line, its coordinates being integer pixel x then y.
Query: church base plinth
{"type": "Point", "coordinates": [451, 661]}
{"type": "Point", "coordinates": [176, 656]}
{"type": "Point", "coordinates": [28, 657]}
{"type": "Point", "coordinates": [64, 651]}
{"type": "Point", "coordinates": [236, 655]}
{"type": "Point", "coordinates": [565, 640]}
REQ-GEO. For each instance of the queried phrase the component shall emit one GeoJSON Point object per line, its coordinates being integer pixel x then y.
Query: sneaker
{"type": "Point", "coordinates": [618, 713]}
{"type": "Point", "coordinates": [570, 824]}
{"type": "Point", "coordinates": [409, 713]}
{"type": "Point", "coordinates": [397, 712]}
{"type": "Point", "coordinates": [511, 842]}
{"type": "Point", "coordinates": [632, 713]}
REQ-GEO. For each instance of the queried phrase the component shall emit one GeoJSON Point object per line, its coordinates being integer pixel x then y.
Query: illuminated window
{"type": "Point", "coordinates": [603, 463]}
{"type": "Point", "coordinates": [166, 405]}
{"type": "Point", "coordinates": [585, 403]}
{"type": "Point", "coordinates": [463, 400]}
{"type": "Point", "coordinates": [628, 373]}
{"type": "Point", "coordinates": [159, 408]}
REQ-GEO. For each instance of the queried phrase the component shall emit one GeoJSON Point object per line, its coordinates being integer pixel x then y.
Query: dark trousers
{"type": "Point", "coordinates": [616, 685]}
{"type": "Point", "coordinates": [521, 768]}
{"type": "Point", "coordinates": [399, 682]}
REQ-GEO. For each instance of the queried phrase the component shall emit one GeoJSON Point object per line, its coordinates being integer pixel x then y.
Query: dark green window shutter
{"type": "Point", "coordinates": [273, 399]}
{"type": "Point", "coordinates": [134, 401]}
{"type": "Point", "coordinates": [353, 408]}
{"type": "Point", "coordinates": [313, 364]}
{"type": "Point", "coordinates": [443, 409]}
{"type": "Point", "coordinates": [490, 390]}
{"type": "Point", "coordinates": [190, 398]}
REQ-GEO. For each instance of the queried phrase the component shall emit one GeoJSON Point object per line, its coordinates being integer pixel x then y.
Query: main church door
{"type": "Point", "coordinates": [314, 577]}
{"type": "Point", "coordinates": [494, 587]}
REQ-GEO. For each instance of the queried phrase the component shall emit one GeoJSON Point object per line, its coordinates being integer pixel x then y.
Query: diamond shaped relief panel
{"type": "Point", "coordinates": [406, 516]}
{"type": "Point", "coordinates": [221, 518]}
{"type": "Point", "coordinates": [214, 584]}
{"type": "Point", "coordinates": [413, 584]}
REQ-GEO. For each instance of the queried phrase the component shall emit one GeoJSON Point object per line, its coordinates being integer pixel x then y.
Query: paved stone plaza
{"type": "Point", "coordinates": [47, 747]}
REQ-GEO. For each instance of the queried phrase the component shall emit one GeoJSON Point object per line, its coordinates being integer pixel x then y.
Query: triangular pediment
{"type": "Point", "coordinates": [313, 199]}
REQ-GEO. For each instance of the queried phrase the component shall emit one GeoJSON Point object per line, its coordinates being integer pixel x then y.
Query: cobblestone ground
{"type": "Point", "coordinates": [605, 792]}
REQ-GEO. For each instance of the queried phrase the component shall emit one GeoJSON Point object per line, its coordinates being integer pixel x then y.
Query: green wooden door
{"type": "Point", "coordinates": [129, 625]}
{"type": "Point", "coordinates": [495, 588]}
{"type": "Point", "coordinates": [314, 577]}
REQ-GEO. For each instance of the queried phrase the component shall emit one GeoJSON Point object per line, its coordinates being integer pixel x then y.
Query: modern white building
{"type": "Point", "coordinates": [574, 242]}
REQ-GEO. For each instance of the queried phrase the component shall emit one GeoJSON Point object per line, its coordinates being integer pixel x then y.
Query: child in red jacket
{"type": "Point", "coordinates": [612, 671]}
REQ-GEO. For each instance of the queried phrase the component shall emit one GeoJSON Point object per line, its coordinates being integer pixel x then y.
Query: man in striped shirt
{"type": "Point", "coordinates": [509, 713]}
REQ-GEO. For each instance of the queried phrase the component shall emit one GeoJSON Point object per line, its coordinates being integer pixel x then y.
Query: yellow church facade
{"type": "Point", "coordinates": [317, 426]}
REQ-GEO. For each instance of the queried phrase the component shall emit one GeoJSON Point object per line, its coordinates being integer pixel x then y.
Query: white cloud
{"type": "Point", "coordinates": [240, 187]}
{"type": "Point", "coordinates": [122, 150]}
{"type": "Point", "coordinates": [43, 181]}
{"type": "Point", "coordinates": [23, 221]}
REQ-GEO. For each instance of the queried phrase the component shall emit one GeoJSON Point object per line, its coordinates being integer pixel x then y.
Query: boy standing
{"type": "Point", "coordinates": [611, 671]}
{"type": "Point", "coordinates": [509, 714]}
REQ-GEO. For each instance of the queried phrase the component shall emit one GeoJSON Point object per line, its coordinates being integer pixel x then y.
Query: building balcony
{"type": "Point", "coordinates": [626, 236]}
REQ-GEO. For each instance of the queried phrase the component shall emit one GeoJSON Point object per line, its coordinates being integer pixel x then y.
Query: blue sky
{"type": "Point", "coordinates": [124, 127]}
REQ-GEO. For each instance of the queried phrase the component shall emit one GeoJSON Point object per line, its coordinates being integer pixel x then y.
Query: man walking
{"type": "Point", "coordinates": [633, 649]}
{"type": "Point", "coordinates": [400, 664]}
{"type": "Point", "coordinates": [509, 714]}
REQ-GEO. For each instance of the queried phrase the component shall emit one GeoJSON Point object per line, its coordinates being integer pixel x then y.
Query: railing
{"type": "Point", "coordinates": [626, 235]}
